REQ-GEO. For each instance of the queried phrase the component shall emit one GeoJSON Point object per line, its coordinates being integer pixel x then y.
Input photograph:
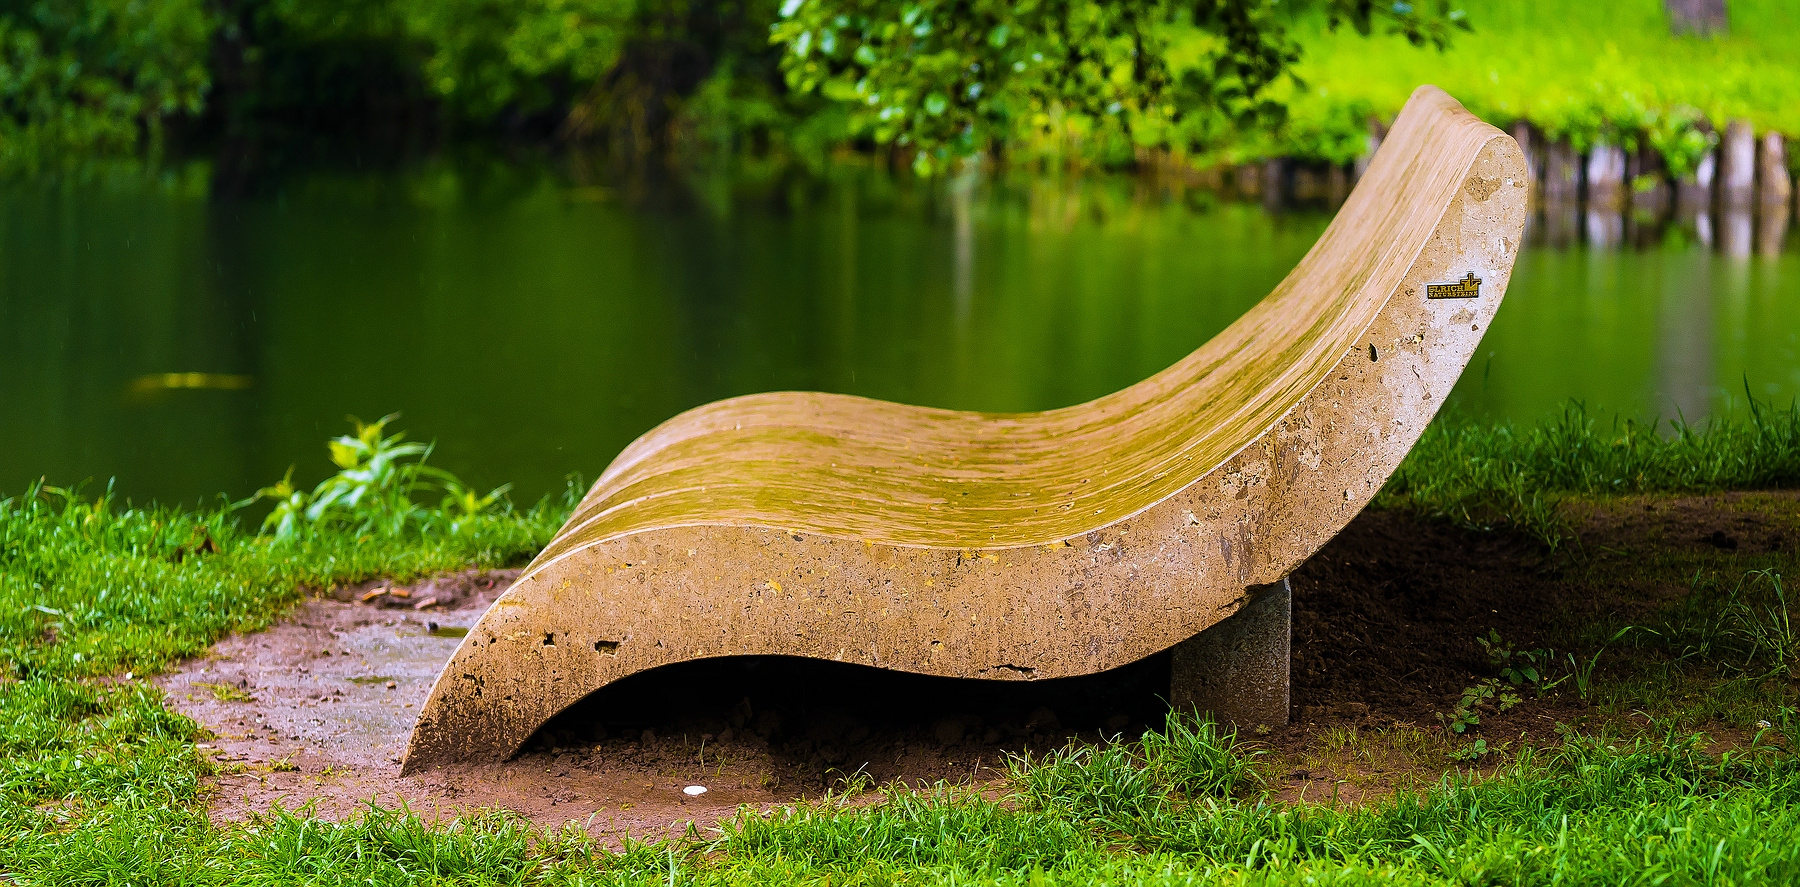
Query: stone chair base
{"type": "Point", "coordinates": [1237, 670]}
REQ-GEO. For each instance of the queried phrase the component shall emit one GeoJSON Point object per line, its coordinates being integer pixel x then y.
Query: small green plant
{"type": "Point", "coordinates": [1518, 670]}
{"type": "Point", "coordinates": [1522, 669]}
{"type": "Point", "coordinates": [1474, 751]}
{"type": "Point", "coordinates": [1467, 712]}
{"type": "Point", "coordinates": [373, 491]}
{"type": "Point", "coordinates": [845, 788]}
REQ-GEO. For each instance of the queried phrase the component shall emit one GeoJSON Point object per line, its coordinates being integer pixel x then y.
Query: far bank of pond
{"type": "Point", "coordinates": [534, 321]}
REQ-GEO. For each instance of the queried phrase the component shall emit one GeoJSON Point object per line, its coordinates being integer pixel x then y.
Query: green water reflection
{"type": "Point", "coordinates": [188, 344]}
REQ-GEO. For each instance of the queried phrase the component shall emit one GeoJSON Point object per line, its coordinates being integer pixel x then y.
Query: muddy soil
{"type": "Point", "coordinates": [316, 710]}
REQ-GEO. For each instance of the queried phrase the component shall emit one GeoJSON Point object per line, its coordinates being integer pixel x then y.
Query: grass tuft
{"type": "Point", "coordinates": [1125, 784]}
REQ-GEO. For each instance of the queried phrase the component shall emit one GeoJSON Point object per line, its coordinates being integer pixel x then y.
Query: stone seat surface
{"type": "Point", "coordinates": [1018, 546]}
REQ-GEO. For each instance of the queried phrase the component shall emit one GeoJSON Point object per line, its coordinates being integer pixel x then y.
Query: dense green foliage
{"type": "Point", "coordinates": [480, 56]}
{"type": "Point", "coordinates": [1104, 79]}
{"type": "Point", "coordinates": [1208, 81]}
{"type": "Point", "coordinates": [95, 76]}
{"type": "Point", "coordinates": [99, 782]}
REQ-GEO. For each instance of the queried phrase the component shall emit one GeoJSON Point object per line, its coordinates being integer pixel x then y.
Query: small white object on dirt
{"type": "Point", "coordinates": [694, 791]}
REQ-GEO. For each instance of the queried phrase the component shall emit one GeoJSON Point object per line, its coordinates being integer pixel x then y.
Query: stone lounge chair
{"type": "Point", "coordinates": [1029, 546]}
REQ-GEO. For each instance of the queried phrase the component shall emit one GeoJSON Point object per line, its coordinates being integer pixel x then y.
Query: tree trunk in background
{"type": "Point", "coordinates": [1562, 173]}
{"type": "Point", "coordinates": [1532, 147]}
{"type": "Point", "coordinates": [1699, 17]}
{"type": "Point", "coordinates": [1693, 194]}
{"type": "Point", "coordinates": [1606, 177]}
{"type": "Point", "coordinates": [1648, 188]}
{"type": "Point", "coordinates": [1246, 180]}
{"type": "Point", "coordinates": [1771, 229]}
{"type": "Point", "coordinates": [1772, 169]}
{"type": "Point", "coordinates": [1737, 188]}
{"type": "Point", "coordinates": [1775, 192]}
{"type": "Point", "coordinates": [1605, 195]}
{"type": "Point", "coordinates": [1337, 185]}
{"type": "Point", "coordinates": [1277, 181]}
{"type": "Point", "coordinates": [1737, 165]}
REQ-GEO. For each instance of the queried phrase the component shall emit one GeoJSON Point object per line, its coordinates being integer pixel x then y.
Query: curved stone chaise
{"type": "Point", "coordinates": [1024, 546]}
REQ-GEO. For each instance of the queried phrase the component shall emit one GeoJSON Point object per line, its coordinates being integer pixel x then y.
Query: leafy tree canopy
{"type": "Point", "coordinates": [955, 77]}
{"type": "Point", "coordinates": [480, 57]}
{"type": "Point", "coordinates": [88, 75]}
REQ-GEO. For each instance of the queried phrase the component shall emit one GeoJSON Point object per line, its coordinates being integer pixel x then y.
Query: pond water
{"type": "Point", "coordinates": [189, 344]}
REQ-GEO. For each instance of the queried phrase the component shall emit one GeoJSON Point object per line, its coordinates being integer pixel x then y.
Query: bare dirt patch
{"type": "Point", "coordinates": [317, 709]}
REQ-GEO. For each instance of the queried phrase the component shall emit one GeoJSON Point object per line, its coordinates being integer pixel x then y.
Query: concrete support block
{"type": "Point", "coordinates": [1237, 670]}
{"type": "Point", "coordinates": [1775, 193]}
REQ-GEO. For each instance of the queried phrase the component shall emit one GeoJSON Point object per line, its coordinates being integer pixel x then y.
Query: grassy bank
{"type": "Point", "coordinates": [101, 783]}
{"type": "Point", "coordinates": [1582, 72]}
{"type": "Point", "coordinates": [1483, 475]}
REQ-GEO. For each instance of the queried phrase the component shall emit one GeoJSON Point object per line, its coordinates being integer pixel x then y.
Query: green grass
{"type": "Point", "coordinates": [1580, 71]}
{"type": "Point", "coordinates": [91, 588]}
{"type": "Point", "coordinates": [1591, 810]}
{"type": "Point", "coordinates": [1491, 475]}
{"type": "Point", "coordinates": [101, 783]}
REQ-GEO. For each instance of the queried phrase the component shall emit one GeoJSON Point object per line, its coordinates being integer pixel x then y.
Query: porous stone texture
{"type": "Point", "coordinates": [1237, 670]}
